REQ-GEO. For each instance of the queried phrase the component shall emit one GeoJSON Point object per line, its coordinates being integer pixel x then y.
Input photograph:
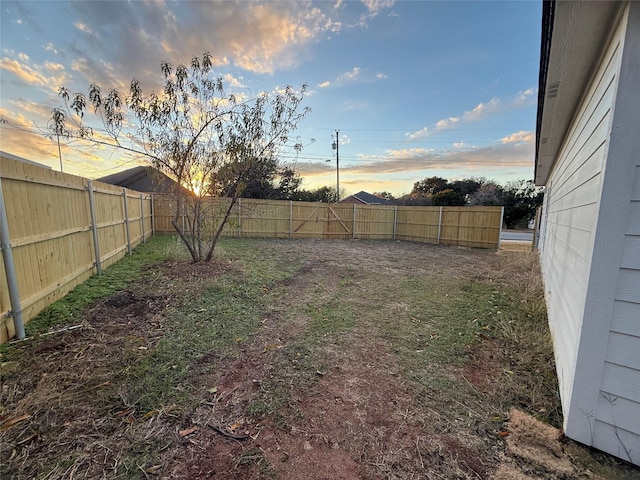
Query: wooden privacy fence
{"type": "Point", "coordinates": [463, 226]}
{"type": "Point", "coordinates": [61, 229]}
{"type": "Point", "coordinates": [58, 229]}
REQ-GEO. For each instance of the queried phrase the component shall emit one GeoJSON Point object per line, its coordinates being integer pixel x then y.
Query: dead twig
{"type": "Point", "coordinates": [418, 450]}
{"type": "Point", "coordinates": [223, 432]}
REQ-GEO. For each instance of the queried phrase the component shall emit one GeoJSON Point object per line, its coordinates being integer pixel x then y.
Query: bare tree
{"type": "Point", "coordinates": [194, 131]}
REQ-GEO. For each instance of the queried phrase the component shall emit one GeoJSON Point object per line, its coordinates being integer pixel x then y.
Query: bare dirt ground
{"type": "Point", "coordinates": [361, 419]}
{"type": "Point", "coordinates": [299, 400]}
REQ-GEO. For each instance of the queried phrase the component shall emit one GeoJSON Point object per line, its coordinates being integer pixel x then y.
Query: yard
{"type": "Point", "coordinates": [294, 359]}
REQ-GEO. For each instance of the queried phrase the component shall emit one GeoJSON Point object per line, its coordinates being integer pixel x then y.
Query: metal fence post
{"type": "Point", "coordinates": [501, 220]}
{"type": "Point", "coordinates": [94, 227]}
{"type": "Point", "coordinates": [239, 217]}
{"type": "Point", "coordinates": [144, 239]}
{"type": "Point", "coordinates": [153, 216]}
{"type": "Point", "coordinates": [439, 225]}
{"type": "Point", "coordinates": [126, 218]}
{"type": "Point", "coordinates": [395, 220]}
{"type": "Point", "coordinates": [353, 228]}
{"type": "Point", "coordinates": [10, 270]}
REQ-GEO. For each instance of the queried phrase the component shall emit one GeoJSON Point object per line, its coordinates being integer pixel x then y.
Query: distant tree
{"type": "Point", "coordinates": [429, 186]}
{"type": "Point", "coordinates": [520, 200]}
{"type": "Point", "coordinates": [447, 198]}
{"type": "Point", "coordinates": [266, 179]}
{"type": "Point", "coordinates": [412, 200]}
{"type": "Point", "coordinates": [466, 186]}
{"type": "Point", "coordinates": [488, 194]}
{"type": "Point", "coordinates": [287, 184]}
{"type": "Point", "coordinates": [209, 141]}
{"type": "Point", "coordinates": [321, 194]}
{"type": "Point", "coordinates": [386, 195]}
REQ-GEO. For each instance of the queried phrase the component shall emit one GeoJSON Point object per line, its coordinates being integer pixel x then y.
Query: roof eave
{"type": "Point", "coordinates": [574, 37]}
{"type": "Point", "coordinates": [548, 9]}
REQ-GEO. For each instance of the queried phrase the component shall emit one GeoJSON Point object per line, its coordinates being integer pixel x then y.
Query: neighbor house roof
{"type": "Point", "coordinates": [566, 66]}
{"type": "Point", "coordinates": [142, 179]}
{"type": "Point", "coordinates": [366, 198]}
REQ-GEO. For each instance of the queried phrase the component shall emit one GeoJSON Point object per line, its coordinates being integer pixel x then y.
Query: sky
{"type": "Point", "coordinates": [415, 88]}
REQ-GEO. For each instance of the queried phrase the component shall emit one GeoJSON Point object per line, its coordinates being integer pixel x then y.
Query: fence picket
{"type": "Point", "coordinates": [464, 226]}
{"type": "Point", "coordinates": [52, 229]}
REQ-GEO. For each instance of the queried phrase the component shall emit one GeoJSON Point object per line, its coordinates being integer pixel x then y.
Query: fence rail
{"type": "Point", "coordinates": [62, 229]}
{"type": "Point", "coordinates": [463, 226]}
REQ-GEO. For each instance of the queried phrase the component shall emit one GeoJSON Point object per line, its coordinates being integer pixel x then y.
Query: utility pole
{"type": "Point", "coordinates": [336, 147]}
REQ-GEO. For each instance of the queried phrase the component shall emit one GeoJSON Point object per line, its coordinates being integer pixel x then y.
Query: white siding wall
{"type": "Point", "coordinates": [617, 418]}
{"type": "Point", "coordinates": [571, 213]}
{"type": "Point", "coordinates": [591, 254]}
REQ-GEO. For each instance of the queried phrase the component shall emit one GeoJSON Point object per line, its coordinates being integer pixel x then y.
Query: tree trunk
{"type": "Point", "coordinates": [220, 228]}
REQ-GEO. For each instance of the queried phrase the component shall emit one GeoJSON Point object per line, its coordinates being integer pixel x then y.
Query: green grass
{"type": "Point", "coordinates": [208, 324]}
{"type": "Point", "coordinates": [430, 323]}
{"type": "Point", "coordinates": [114, 278]}
{"type": "Point", "coordinates": [447, 321]}
{"type": "Point", "coordinates": [217, 319]}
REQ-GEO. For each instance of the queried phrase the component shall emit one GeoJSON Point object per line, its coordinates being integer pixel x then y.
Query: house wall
{"type": "Point", "coordinates": [571, 212]}
{"type": "Point", "coordinates": [614, 291]}
{"type": "Point", "coordinates": [590, 253]}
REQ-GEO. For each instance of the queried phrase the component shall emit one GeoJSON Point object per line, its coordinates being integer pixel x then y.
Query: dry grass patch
{"type": "Point", "coordinates": [295, 360]}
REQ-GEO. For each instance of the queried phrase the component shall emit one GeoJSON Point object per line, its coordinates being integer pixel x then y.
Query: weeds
{"type": "Point", "coordinates": [404, 357]}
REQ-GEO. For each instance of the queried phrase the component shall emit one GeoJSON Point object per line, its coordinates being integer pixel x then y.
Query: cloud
{"type": "Point", "coordinates": [376, 6]}
{"type": "Point", "coordinates": [100, 72]}
{"type": "Point", "coordinates": [21, 138]}
{"type": "Point", "coordinates": [500, 155]}
{"type": "Point", "coordinates": [373, 9]}
{"type": "Point", "coordinates": [417, 134]}
{"type": "Point", "coordinates": [50, 48]}
{"type": "Point", "coordinates": [484, 110]}
{"type": "Point", "coordinates": [258, 37]}
{"type": "Point", "coordinates": [357, 75]}
{"type": "Point", "coordinates": [447, 123]}
{"type": "Point", "coordinates": [24, 133]}
{"type": "Point", "coordinates": [84, 28]}
{"type": "Point", "coordinates": [350, 76]}
{"type": "Point", "coordinates": [233, 82]}
{"type": "Point", "coordinates": [38, 112]}
{"type": "Point", "coordinates": [51, 75]}
{"type": "Point", "coordinates": [520, 137]}
{"type": "Point", "coordinates": [314, 169]}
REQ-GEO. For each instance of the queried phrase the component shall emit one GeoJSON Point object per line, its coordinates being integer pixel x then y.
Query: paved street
{"type": "Point", "coordinates": [516, 236]}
